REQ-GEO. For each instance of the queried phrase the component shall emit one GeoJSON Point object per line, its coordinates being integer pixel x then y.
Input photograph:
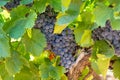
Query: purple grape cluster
{"type": "Point", "coordinates": [61, 44]}
{"type": "Point", "coordinates": [106, 33]}
{"type": "Point", "coordinates": [12, 4]}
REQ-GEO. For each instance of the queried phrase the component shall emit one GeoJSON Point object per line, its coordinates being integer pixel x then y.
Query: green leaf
{"type": "Point", "coordinates": [36, 43]}
{"type": "Point", "coordinates": [60, 70]}
{"type": "Point", "coordinates": [14, 63]}
{"type": "Point", "coordinates": [114, 2]}
{"type": "Point", "coordinates": [116, 69]}
{"type": "Point", "coordinates": [4, 74]}
{"type": "Point", "coordinates": [115, 24]}
{"type": "Point", "coordinates": [102, 13]}
{"type": "Point", "coordinates": [106, 50]}
{"type": "Point", "coordinates": [4, 44]}
{"type": "Point", "coordinates": [56, 4]}
{"type": "Point", "coordinates": [86, 40]}
{"type": "Point", "coordinates": [19, 12]}
{"type": "Point", "coordinates": [26, 74]}
{"type": "Point", "coordinates": [26, 1]}
{"type": "Point", "coordinates": [17, 28]}
{"type": "Point", "coordinates": [17, 16]}
{"type": "Point", "coordinates": [47, 70]}
{"type": "Point", "coordinates": [3, 2]}
{"type": "Point", "coordinates": [39, 5]}
{"type": "Point", "coordinates": [1, 21]}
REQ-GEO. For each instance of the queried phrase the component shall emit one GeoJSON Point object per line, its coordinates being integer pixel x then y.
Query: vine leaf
{"type": "Point", "coordinates": [36, 43]}
{"type": "Point", "coordinates": [4, 44]}
{"type": "Point", "coordinates": [3, 2]}
{"type": "Point", "coordinates": [70, 14]}
{"type": "Point", "coordinates": [98, 67]}
{"type": "Point", "coordinates": [64, 77]}
{"type": "Point", "coordinates": [100, 54]}
{"type": "Point", "coordinates": [39, 5]}
{"type": "Point", "coordinates": [104, 66]}
{"type": "Point", "coordinates": [59, 28]}
{"type": "Point", "coordinates": [115, 24]}
{"type": "Point", "coordinates": [56, 4]}
{"type": "Point", "coordinates": [65, 4]}
{"type": "Point", "coordinates": [26, 1]}
{"type": "Point", "coordinates": [102, 13]}
{"type": "Point", "coordinates": [19, 21]}
{"type": "Point", "coordinates": [115, 21]}
{"type": "Point", "coordinates": [86, 40]}
{"type": "Point", "coordinates": [115, 2]}
{"type": "Point", "coordinates": [47, 70]}
{"type": "Point", "coordinates": [78, 32]}
{"type": "Point", "coordinates": [14, 63]}
{"type": "Point", "coordinates": [106, 50]}
{"type": "Point", "coordinates": [4, 74]}
{"type": "Point", "coordinates": [4, 16]}
{"type": "Point", "coordinates": [25, 74]}
{"type": "Point", "coordinates": [116, 69]}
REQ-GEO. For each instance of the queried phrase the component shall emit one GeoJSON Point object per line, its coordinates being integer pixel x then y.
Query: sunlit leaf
{"type": "Point", "coordinates": [70, 14]}
{"type": "Point", "coordinates": [86, 40]}
{"type": "Point", "coordinates": [104, 66]}
{"type": "Point", "coordinates": [59, 28]}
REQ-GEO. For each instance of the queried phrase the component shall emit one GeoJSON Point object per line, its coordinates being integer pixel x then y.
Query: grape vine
{"type": "Point", "coordinates": [59, 39]}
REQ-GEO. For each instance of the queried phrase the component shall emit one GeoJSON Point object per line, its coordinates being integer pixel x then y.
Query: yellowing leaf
{"type": "Point", "coordinates": [59, 28]}
{"type": "Point", "coordinates": [66, 3]}
{"type": "Point", "coordinates": [29, 32]}
{"type": "Point", "coordinates": [70, 14]}
{"type": "Point", "coordinates": [103, 64]}
{"type": "Point", "coordinates": [86, 39]}
{"type": "Point", "coordinates": [60, 15]}
{"type": "Point", "coordinates": [64, 77]}
{"type": "Point", "coordinates": [6, 14]}
{"type": "Point", "coordinates": [90, 77]}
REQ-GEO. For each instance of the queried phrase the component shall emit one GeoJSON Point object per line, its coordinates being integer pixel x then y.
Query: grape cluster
{"type": "Point", "coordinates": [61, 44]}
{"type": "Point", "coordinates": [45, 22]}
{"type": "Point", "coordinates": [64, 45]}
{"type": "Point", "coordinates": [12, 4]}
{"type": "Point", "coordinates": [106, 33]}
